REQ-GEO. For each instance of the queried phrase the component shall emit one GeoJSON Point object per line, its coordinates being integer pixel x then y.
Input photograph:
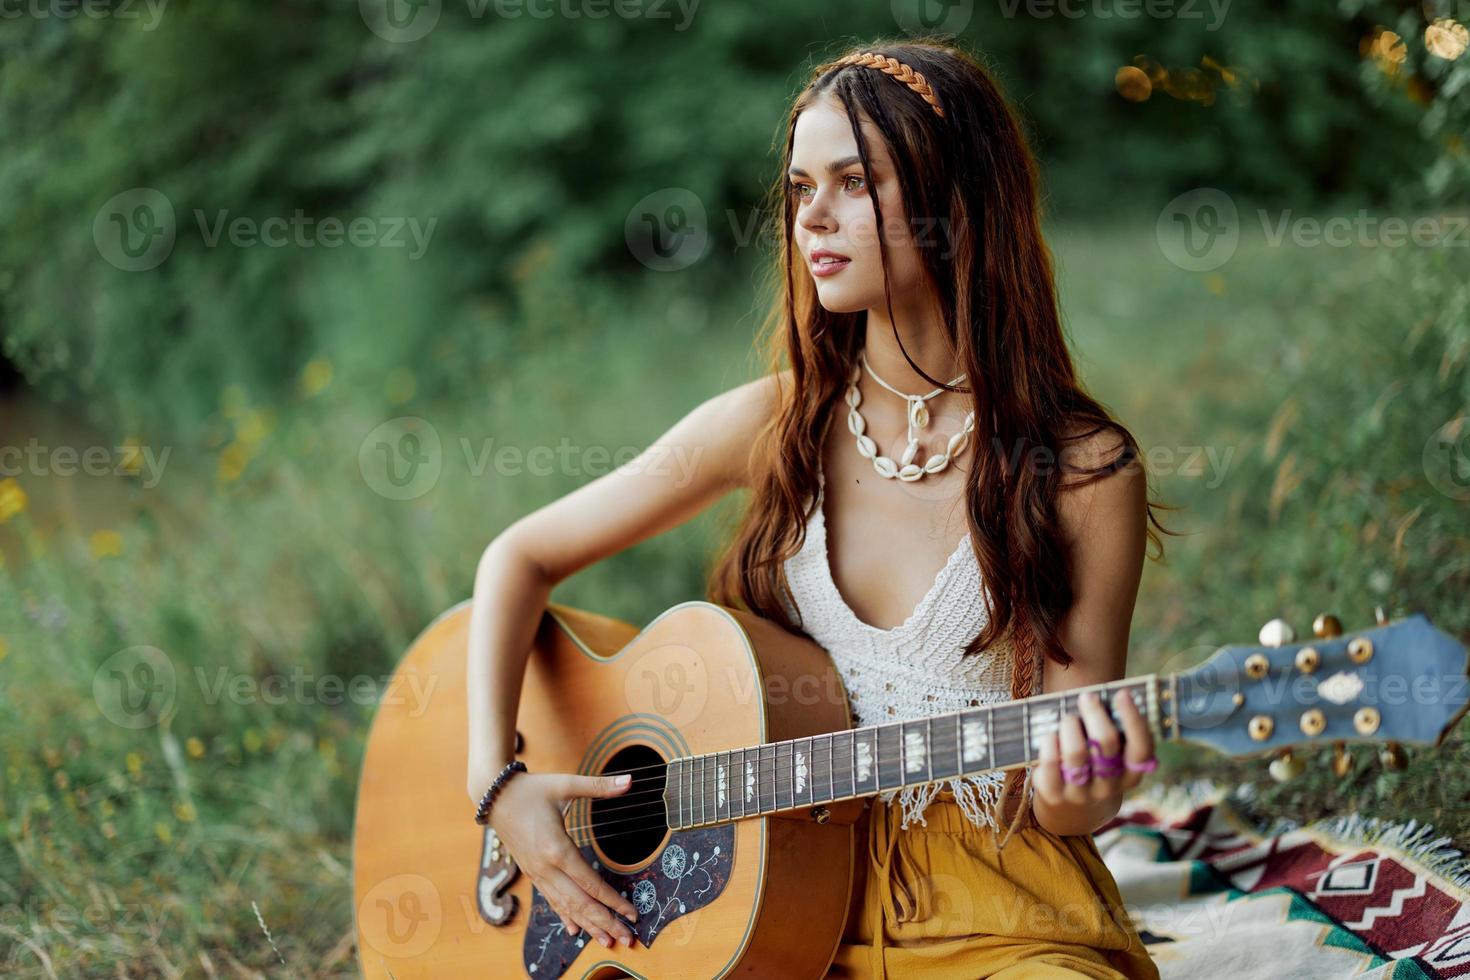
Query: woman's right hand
{"type": "Point", "coordinates": [527, 815]}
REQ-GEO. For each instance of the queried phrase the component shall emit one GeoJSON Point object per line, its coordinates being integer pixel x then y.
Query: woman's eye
{"type": "Point", "coordinates": [801, 190]}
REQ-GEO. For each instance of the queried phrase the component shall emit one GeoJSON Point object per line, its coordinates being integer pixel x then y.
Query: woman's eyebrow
{"type": "Point", "coordinates": [835, 166]}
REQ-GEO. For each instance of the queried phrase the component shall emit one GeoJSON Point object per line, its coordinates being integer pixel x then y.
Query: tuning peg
{"type": "Point", "coordinates": [1326, 625]}
{"type": "Point", "coordinates": [1393, 756]}
{"type": "Point", "coordinates": [1342, 763]}
{"type": "Point", "coordinates": [1277, 632]}
{"type": "Point", "coordinates": [1286, 767]}
{"type": "Point", "coordinates": [1379, 616]}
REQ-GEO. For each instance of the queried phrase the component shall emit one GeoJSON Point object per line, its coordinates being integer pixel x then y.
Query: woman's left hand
{"type": "Point", "coordinates": [1100, 774]}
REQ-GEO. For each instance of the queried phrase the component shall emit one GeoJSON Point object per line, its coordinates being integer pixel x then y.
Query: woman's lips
{"type": "Point", "coordinates": [829, 266]}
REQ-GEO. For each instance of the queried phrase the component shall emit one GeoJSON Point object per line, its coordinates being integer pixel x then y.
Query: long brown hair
{"type": "Point", "coordinates": [969, 167]}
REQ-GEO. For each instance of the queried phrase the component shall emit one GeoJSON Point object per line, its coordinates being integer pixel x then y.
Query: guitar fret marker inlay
{"type": "Point", "coordinates": [974, 741]}
{"type": "Point", "coordinates": [1042, 723]}
{"type": "Point", "coordinates": [864, 761]}
{"type": "Point", "coordinates": [913, 751]}
{"type": "Point", "coordinates": [800, 772]}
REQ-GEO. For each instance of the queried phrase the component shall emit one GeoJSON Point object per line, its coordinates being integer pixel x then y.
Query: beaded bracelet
{"type": "Point", "coordinates": [482, 813]}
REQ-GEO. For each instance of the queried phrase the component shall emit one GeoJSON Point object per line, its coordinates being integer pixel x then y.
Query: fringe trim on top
{"type": "Point", "coordinates": [978, 796]}
{"type": "Point", "coordinates": [1414, 840]}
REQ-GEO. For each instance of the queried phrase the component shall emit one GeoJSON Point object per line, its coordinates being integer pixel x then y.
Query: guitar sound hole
{"type": "Point", "coordinates": [629, 827]}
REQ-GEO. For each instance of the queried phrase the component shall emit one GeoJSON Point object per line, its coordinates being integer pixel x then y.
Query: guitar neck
{"type": "Point", "coordinates": [719, 787]}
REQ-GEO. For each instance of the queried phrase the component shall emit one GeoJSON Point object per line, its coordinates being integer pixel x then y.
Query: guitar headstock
{"type": "Point", "coordinates": [1403, 681]}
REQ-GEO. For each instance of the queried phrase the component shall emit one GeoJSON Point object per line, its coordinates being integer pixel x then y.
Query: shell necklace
{"type": "Point", "coordinates": [918, 415]}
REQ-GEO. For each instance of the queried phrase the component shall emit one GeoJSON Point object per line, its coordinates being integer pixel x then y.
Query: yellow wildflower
{"type": "Point", "coordinates": [253, 427]}
{"type": "Point", "coordinates": [134, 762]}
{"type": "Point", "coordinates": [105, 543]}
{"type": "Point", "coordinates": [12, 499]}
{"type": "Point", "coordinates": [185, 812]}
{"type": "Point", "coordinates": [316, 376]}
{"type": "Point", "coordinates": [251, 740]}
{"type": "Point", "coordinates": [160, 829]}
{"type": "Point", "coordinates": [132, 460]}
{"type": "Point", "coordinates": [194, 747]}
{"type": "Point", "coordinates": [232, 462]}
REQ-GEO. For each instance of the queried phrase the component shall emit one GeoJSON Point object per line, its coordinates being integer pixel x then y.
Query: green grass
{"type": "Point", "coordinates": [1315, 375]}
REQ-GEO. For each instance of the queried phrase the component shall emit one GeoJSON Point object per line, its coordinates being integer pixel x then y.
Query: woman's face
{"type": "Point", "coordinates": [834, 212]}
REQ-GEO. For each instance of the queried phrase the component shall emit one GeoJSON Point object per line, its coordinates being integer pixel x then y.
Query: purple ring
{"type": "Point", "coordinates": [1147, 765]}
{"type": "Point", "coordinates": [1104, 766]}
{"type": "Point", "coordinates": [1077, 775]}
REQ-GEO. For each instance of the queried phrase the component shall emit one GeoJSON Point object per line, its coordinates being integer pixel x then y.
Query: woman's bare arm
{"type": "Point", "coordinates": [1104, 528]}
{"type": "Point", "coordinates": [692, 465]}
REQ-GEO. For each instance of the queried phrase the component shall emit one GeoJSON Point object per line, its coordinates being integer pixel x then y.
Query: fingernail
{"type": "Point", "coordinates": [605, 943]}
{"type": "Point", "coordinates": [623, 779]}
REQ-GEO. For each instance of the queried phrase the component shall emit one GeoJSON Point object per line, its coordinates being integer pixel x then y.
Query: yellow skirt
{"type": "Point", "coordinates": [941, 900]}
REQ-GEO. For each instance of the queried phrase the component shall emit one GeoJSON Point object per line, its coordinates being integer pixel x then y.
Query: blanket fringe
{"type": "Point", "coordinates": [1416, 840]}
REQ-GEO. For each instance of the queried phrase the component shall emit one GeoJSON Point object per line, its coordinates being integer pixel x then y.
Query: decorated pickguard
{"type": "Point", "coordinates": [689, 873]}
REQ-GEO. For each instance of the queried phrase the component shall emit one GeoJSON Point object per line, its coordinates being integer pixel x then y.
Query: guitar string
{"type": "Point", "coordinates": [779, 772]}
{"type": "Point", "coordinates": [734, 806]}
{"type": "Point", "coordinates": [659, 821]}
{"type": "Point", "coordinates": [782, 770]}
{"type": "Point", "coordinates": [1004, 729]}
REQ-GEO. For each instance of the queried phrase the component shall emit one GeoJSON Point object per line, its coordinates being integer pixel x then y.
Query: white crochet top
{"type": "Point", "coordinates": [913, 670]}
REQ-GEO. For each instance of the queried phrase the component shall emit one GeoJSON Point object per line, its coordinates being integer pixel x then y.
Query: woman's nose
{"type": "Point", "coordinates": [815, 215]}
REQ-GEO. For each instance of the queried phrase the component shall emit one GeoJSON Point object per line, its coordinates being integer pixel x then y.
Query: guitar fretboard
{"type": "Point", "coordinates": [762, 779]}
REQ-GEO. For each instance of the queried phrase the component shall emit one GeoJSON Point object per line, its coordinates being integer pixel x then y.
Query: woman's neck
{"type": "Point", "coordinates": [923, 339]}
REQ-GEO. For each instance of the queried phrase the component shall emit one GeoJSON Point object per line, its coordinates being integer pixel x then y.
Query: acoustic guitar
{"type": "Point", "coordinates": [736, 840]}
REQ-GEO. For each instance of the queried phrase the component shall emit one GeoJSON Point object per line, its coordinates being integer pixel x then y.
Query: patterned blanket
{"type": "Point", "coordinates": [1216, 895]}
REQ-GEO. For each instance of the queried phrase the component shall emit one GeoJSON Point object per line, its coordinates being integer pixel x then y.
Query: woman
{"type": "Point", "coordinates": [918, 308]}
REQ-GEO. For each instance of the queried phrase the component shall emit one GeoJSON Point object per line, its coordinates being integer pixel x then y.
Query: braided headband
{"type": "Point", "coordinates": [898, 70]}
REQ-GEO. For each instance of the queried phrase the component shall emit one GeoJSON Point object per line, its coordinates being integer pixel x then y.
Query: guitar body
{"type": "Point", "coordinates": [737, 840]}
{"type": "Point", "coordinates": [437, 897]}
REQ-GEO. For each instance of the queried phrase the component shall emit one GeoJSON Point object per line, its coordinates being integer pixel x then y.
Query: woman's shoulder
{"type": "Point", "coordinates": [749, 407]}
{"type": "Point", "coordinates": [735, 418]}
{"type": "Point", "coordinates": [1089, 446]}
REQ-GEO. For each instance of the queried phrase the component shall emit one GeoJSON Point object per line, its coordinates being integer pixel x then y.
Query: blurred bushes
{"type": "Point", "coordinates": [522, 143]}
